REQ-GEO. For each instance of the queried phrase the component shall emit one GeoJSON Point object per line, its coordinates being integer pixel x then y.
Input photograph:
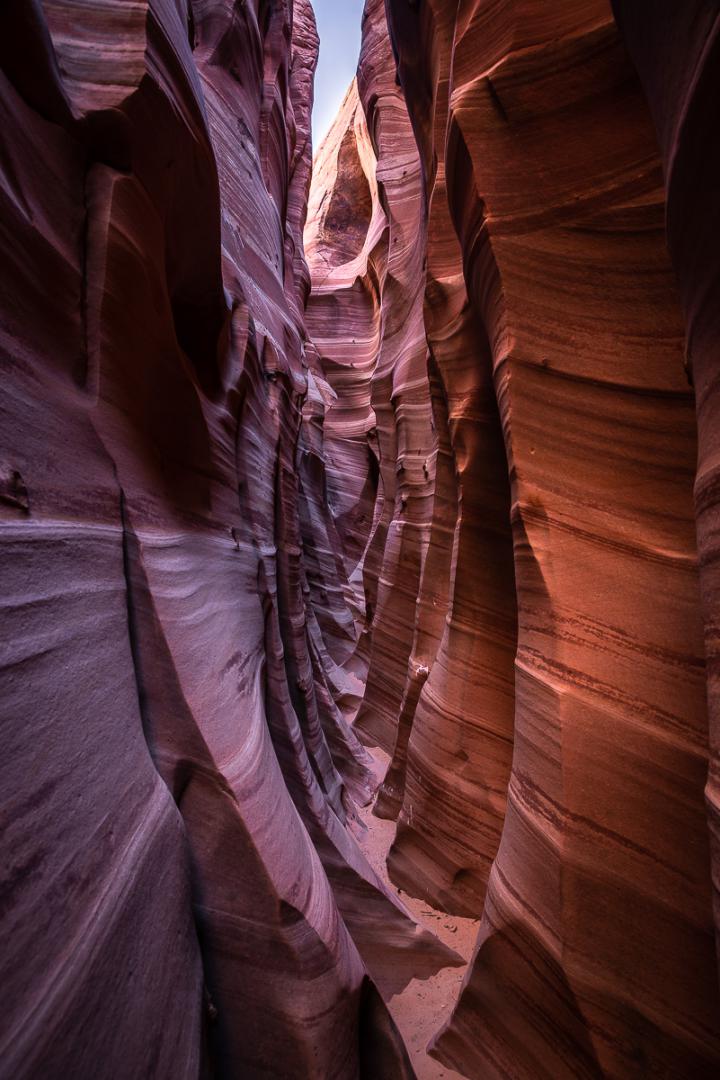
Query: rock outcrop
{"type": "Point", "coordinates": [365, 242]}
{"type": "Point", "coordinates": [551, 744]}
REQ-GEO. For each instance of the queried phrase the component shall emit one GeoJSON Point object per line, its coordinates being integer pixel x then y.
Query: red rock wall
{"type": "Point", "coordinates": [183, 896]}
{"type": "Point", "coordinates": [380, 332]}
{"type": "Point", "coordinates": [595, 954]}
{"type": "Point", "coordinates": [676, 51]}
{"type": "Point", "coordinates": [448, 510]}
{"type": "Point", "coordinates": [461, 743]}
{"type": "Point", "coordinates": [365, 240]}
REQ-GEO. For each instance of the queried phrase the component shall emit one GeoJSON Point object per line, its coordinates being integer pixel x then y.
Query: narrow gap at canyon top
{"type": "Point", "coordinates": [339, 24]}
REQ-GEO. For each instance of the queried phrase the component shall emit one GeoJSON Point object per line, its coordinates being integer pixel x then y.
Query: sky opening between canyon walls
{"type": "Point", "coordinates": [339, 28]}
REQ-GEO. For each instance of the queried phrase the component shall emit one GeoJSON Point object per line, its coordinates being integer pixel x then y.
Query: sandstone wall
{"type": "Point", "coordinates": [431, 490]}
{"type": "Point", "coordinates": [183, 897]}
{"type": "Point", "coordinates": [676, 51]}
{"type": "Point", "coordinates": [366, 244]}
{"type": "Point", "coordinates": [595, 955]}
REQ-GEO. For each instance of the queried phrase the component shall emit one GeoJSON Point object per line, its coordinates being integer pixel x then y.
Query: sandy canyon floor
{"type": "Point", "coordinates": [425, 1004]}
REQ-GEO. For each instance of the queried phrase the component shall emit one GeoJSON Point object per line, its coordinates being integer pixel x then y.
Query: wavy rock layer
{"type": "Point", "coordinates": [677, 56]}
{"type": "Point", "coordinates": [365, 243]}
{"type": "Point", "coordinates": [458, 759]}
{"type": "Point", "coordinates": [442, 501]}
{"type": "Point", "coordinates": [183, 897]}
{"type": "Point", "coordinates": [561, 798]}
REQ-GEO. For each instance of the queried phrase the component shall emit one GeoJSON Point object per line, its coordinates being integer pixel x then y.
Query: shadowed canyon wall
{"type": "Point", "coordinates": [416, 472]}
{"type": "Point", "coordinates": [182, 896]}
{"type": "Point", "coordinates": [677, 56]}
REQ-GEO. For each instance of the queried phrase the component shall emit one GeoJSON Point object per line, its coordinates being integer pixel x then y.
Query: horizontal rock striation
{"type": "Point", "coordinates": [581, 773]}
{"type": "Point", "coordinates": [183, 895]}
{"type": "Point", "coordinates": [402, 455]}
{"type": "Point", "coordinates": [677, 57]}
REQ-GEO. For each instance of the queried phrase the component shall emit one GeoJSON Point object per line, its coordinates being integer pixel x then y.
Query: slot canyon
{"type": "Point", "coordinates": [360, 542]}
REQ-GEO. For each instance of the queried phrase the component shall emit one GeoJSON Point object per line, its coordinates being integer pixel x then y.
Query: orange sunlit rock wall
{"type": "Point", "coordinates": [548, 770]}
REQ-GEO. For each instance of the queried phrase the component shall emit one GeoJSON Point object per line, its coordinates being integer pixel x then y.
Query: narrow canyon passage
{"type": "Point", "coordinates": [425, 1004]}
{"type": "Point", "coordinates": [358, 542]}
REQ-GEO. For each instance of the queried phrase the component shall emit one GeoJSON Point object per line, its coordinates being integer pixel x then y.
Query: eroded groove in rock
{"type": "Point", "coordinates": [431, 489]}
{"type": "Point", "coordinates": [461, 742]}
{"type": "Point", "coordinates": [183, 894]}
{"type": "Point", "coordinates": [448, 722]}
{"type": "Point", "coordinates": [432, 599]}
{"type": "Point", "coordinates": [599, 893]}
{"type": "Point", "coordinates": [365, 318]}
{"type": "Point", "coordinates": [677, 56]}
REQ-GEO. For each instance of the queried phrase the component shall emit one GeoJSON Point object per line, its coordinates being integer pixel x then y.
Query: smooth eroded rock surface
{"type": "Point", "coordinates": [677, 56]}
{"type": "Point", "coordinates": [182, 894]}
{"type": "Point", "coordinates": [595, 954]}
{"type": "Point", "coordinates": [403, 453]}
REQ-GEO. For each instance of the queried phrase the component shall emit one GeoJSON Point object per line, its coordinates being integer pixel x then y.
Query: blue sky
{"type": "Point", "coordinates": [338, 23]}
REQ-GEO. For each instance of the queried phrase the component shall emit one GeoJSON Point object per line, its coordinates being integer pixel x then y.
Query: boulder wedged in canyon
{"type": "Point", "coordinates": [184, 896]}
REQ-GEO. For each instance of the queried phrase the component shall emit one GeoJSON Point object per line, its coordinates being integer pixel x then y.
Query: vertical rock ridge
{"type": "Point", "coordinates": [677, 57]}
{"type": "Point", "coordinates": [550, 755]}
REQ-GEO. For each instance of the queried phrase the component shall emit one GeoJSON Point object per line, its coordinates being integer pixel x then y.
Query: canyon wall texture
{"type": "Point", "coordinates": [365, 243]}
{"type": "Point", "coordinates": [551, 745]}
{"type": "Point", "coordinates": [183, 897]}
{"type": "Point", "coordinates": [676, 51]}
{"type": "Point", "coordinates": [403, 458]}
{"type": "Point", "coordinates": [595, 955]}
